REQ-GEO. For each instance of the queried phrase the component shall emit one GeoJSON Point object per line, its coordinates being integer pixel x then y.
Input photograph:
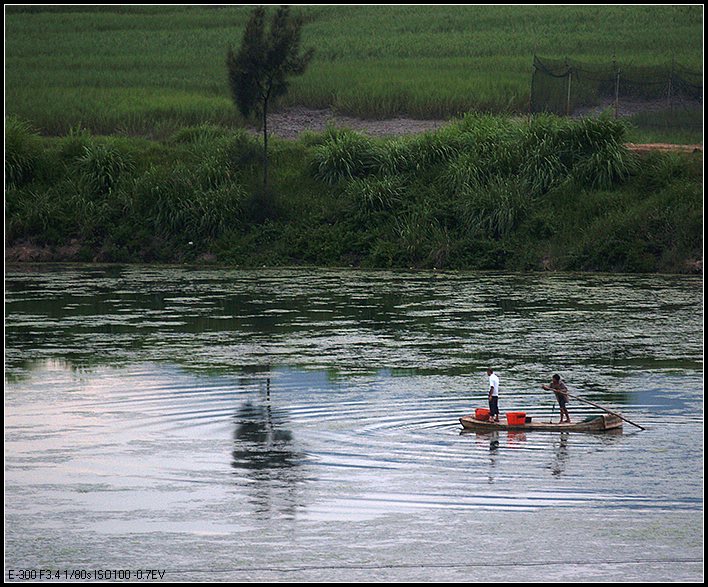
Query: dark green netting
{"type": "Point", "coordinates": [564, 86]}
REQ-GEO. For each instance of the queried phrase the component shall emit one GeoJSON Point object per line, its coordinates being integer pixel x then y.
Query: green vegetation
{"type": "Point", "coordinates": [152, 70]}
{"type": "Point", "coordinates": [123, 145]}
{"type": "Point", "coordinates": [481, 193]}
{"type": "Point", "coordinates": [259, 71]}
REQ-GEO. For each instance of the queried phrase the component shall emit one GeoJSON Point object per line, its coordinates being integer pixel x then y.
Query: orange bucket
{"type": "Point", "coordinates": [481, 414]}
{"type": "Point", "coordinates": [516, 418]}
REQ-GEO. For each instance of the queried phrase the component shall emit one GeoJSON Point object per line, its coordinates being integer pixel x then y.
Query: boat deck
{"type": "Point", "coordinates": [594, 424]}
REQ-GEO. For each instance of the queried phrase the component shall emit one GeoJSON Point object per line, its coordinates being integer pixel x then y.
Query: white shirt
{"type": "Point", "coordinates": [494, 382]}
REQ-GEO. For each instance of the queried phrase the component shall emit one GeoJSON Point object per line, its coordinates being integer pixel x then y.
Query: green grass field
{"type": "Point", "coordinates": [153, 69]}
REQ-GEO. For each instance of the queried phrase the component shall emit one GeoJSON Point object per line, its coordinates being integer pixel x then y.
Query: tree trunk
{"type": "Point", "coordinates": [265, 148]}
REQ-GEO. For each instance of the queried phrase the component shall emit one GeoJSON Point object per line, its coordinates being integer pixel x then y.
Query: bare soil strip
{"type": "Point", "coordinates": [292, 122]}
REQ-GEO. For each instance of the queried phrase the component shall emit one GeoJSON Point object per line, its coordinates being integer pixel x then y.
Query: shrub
{"type": "Point", "coordinates": [543, 172]}
{"type": "Point", "coordinates": [23, 152]}
{"type": "Point", "coordinates": [494, 140]}
{"type": "Point", "coordinates": [74, 144]}
{"type": "Point", "coordinates": [604, 167]}
{"type": "Point", "coordinates": [28, 213]}
{"type": "Point", "coordinates": [660, 169]}
{"type": "Point", "coordinates": [590, 151]}
{"type": "Point", "coordinates": [243, 149]}
{"type": "Point", "coordinates": [179, 203]}
{"type": "Point", "coordinates": [464, 174]}
{"type": "Point", "coordinates": [424, 241]}
{"type": "Point", "coordinates": [101, 166]}
{"type": "Point", "coordinates": [343, 156]}
{"type": "Point", "coordinates": [434, 148]}
{"type": "Point", "coordinates": [211, 172]}
{"type": "Point", "coordinates": [396, 157]}
{"type": "Point", "coordinates": [374, 194]}
{"type": "Point", "coordinates": [487, 147]}
{"type": "Point", "coordinates": [496, 209]}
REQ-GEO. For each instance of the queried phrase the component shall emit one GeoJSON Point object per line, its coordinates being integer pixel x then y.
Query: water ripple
{"type": "Point", "coordinates": [227, 409]}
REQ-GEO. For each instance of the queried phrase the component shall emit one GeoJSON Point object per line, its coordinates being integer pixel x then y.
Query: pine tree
{"type": "Point", "coordinates": [259, 70]}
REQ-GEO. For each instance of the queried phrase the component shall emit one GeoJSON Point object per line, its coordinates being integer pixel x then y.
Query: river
{"type": "Point", "coordinates": [302, 425]}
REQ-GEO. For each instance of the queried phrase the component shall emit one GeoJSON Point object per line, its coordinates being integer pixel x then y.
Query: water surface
{"type": "Point", "coordinates": [228, 425]}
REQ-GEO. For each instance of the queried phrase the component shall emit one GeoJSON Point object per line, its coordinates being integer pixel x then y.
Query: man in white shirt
{"type": "Point", "coordinates": [493, 396]}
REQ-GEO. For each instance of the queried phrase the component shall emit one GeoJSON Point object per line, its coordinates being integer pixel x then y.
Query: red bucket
{"type": "Point", "coordinates": [481, 414]}
{"type": "Point", "coordinates": [516, 418]}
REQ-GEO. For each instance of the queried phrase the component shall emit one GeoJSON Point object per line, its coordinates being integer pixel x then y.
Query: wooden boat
{"type": "Point", "coordinates": [598, 423]}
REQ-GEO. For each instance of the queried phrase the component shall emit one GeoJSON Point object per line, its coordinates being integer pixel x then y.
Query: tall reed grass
{"type": "Point", "coordinates": [541, 153]}
{"type": "Point", "coordinates": [23, 152]}
{"type": "Point", "coordinates": [150, 70]}
{"type": "Point", "coordinates": [482, 176]}
{"type": "Point", "coordinates": [481, 193]}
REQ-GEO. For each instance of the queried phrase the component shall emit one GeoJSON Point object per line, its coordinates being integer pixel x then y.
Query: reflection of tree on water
{"type": "Point", "coordinates": [258, 444]}
{"type": "Point", "coordinates": [264, 454]}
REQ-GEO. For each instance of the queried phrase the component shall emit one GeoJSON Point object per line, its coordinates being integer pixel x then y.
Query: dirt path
{"type": "Point", "coordinates": [293, 122]}
{"type": "Point", "coordinates": [646, 148]}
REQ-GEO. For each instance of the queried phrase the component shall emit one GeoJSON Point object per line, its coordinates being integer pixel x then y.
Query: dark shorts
{"type": "Point", "coordinates": [562, 400]}
{"type": "Point", "coordinates": [494, 406]}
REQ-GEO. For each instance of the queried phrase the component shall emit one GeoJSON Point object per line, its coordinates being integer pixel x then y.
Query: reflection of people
{"type": "Point", "coordinates": [561, 391]}
{"type": "Point", "coordinates": [561, 455]}
{"type": "Point", "coordinates": [493, 396]}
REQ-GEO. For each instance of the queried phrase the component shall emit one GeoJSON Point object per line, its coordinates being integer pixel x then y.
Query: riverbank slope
{"type": "Point", "coordinates": [480, 192]}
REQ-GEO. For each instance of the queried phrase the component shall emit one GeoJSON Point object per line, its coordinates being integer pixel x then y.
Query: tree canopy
{"type": "Point", "coordinates": [259, 71]}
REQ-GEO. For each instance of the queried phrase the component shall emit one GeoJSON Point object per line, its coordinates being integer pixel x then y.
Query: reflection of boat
{"type": "Point", "coordinates": [590, 424]}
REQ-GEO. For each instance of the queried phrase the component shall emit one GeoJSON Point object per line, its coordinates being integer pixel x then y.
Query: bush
{"type": "Point", "coordinates": [28, 213]}
{"type": "Point", "coordinates": [211, 172]}
{"type": "Point", "coordinates": [101, 166]}
{"type": "Point", "coordinates": [180, 203]}
{"type": "Point", "coordinates": [590, 134]}
{"type": "Point", "coordinates": [604, 167]}
{"type": "Point", "coordinates": [496, 209]}
{"type": "Point", "coordinates": [660, 169]}
{"type": "Point", "coordinates": [423, 240]}
{"type": "Point", "coordinates": [494, 141]}
{"type": "Point", "coordinates": [590, 150]}
{"type": "Point", "coordinates": [23, 152]}
{"type": "Point", "coordinates": [73, 146]}
{"type": "Point", "coordinates": [373, 194]}
{"type": "Point", "coordinates": [478, 194]}
{"type": "Point", "coordinates": [434, 148]}
{"type": "Point", "coordinates": [218, 153]}
{"type": "Point", "coordinates": [243, 149]}
{"type": "Point", "coordinates": [343, 156]}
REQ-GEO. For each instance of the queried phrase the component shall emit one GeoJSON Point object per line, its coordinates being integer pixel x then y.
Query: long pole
{"type": "Point", "coordinates": [606, 410]}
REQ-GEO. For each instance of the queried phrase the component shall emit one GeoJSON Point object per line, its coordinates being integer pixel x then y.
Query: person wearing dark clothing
{"type": "Point", "coordinates": [561, 391]}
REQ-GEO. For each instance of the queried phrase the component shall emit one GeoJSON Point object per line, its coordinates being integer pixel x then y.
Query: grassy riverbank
{"type": "Point", "coordinates": [122, 143]}
{"type": "Point", "coordinates": [481, 193]}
